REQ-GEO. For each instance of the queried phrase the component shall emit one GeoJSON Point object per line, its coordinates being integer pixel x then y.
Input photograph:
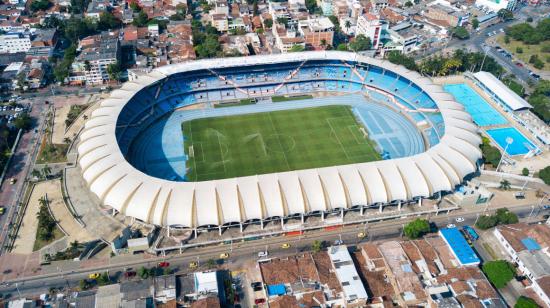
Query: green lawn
{"type": "Point", "coordinates": [528, 51]}
{"type": "Point", "coordinates": [268, 142]}
{"type": "Point", "coordinates": [242, 102]}
{"type": "Point", "coordinates": [277, 99]}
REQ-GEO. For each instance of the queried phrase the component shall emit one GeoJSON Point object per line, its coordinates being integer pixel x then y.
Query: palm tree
{"type": "Point", "coordinates": [505, 185]}
{"type": "Point", "coordinates": [67, 140]}
{"type": "Point", "coordinates": [324, 43]}
{"type": "Point", "coordinates": [46, 170]}
{"type": "Point", "coordinates": [35, 173]}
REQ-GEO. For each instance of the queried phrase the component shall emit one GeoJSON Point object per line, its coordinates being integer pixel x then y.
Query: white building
{"type": "Point", "coordinates": [527, 245]}
{"type": "Point", "coordinates": [15, 42]}
{"type": "Point", "coordinates": [497, 5]}
{"type": "Point", "coordinates": [354, 291]}
{"type": "Point", "coordinates": [370, 26]}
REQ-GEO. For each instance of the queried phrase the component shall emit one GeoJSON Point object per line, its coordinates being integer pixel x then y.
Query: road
{"type": "Point", "coordinates": [240, 252]}
{"type": "Point", "coordinates": [20, 165]}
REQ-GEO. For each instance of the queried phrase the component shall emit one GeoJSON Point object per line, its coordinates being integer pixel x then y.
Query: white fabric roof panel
{"type": "Point", "coordinates": [436, 179]}
{"type": "Point", "coordinates": [376, 188]}
{"type": "Point", "coordinates": [250, 196]}
{"type": "Point", "coordinates": [292, 192]}
{"type": "Point", "coordinates": [353, 185]}
{"type": "Point", "coordinates": [206, 204]}
{"type": "Point", "coordinates": [313, 190]}
{"type": "Point", "coordinates": [181, 210]}
{"type": "Point", "coordinates": [392, 180]}
{"type": "Point", "coordinates": [509, 97]}
{"type": "Point", "coordinates": [164, 202]}
{"type": "Point", "coordinates": [271, 195]}
{"type": "Point", "coordinates": [229, 200]}
{"type": "Point", "coordinates": [333, 187]}
{"type": "Point", "coordinates": [414, 180]}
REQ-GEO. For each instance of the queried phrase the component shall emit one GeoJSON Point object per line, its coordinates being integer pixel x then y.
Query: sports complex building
{"type": "Point", "coordinates": [229, 142]}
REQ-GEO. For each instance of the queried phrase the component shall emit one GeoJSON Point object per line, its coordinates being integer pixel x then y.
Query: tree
{"type": "Point", "coordinates": [83, 284]}
{"type": "Point", "coordinates": [114, 71]}
{"type": "Point", "coordinates": [342, 47]}
{"type": "Point", "coordinates": [499, 272]}
{"type": "Point", "coordinates": [46, 171]}
{"type": "Point", "coordinates": [255, 9]}
{"type": "Point", "coordinates": [461, 33]}
{"type": "Point", "coordinates": [141, 20]}
{"type": "Point", "coordinates": [311, 6]}
{"type": "Point", "coordinates": [505, 14]}
{"type": "Point", "coordinates": [360, 43]}
{"type": "Point", "coordinates": [143, 272]}
{"type": "Point", "coordinates": [103, 279]}
{"type": "Point", "coordinates": [416, 228]}
{"type": "Point", "coordinates": [544, 175]}
{"type": "Point", "coordinates": [282, 21]}
{"type": "Point", "coordinates": [525, 172]}
{"type": "Point", "coordinates": [317, 246]}
{"type": "Point", "coordinates": [526, 302]}
{"type": "Point", "coordinates": [408, 4]}
{"type": "Point", "coordinates": [297, 48]}
{"type": "Point", "coordinates": [40, 5]}
{"type": "Point", "coordinates": [268, 23]}
{"type": "Point", "coordinates": [504, 185]}
{"type": "Point", "coordinates": [475, 23]}
{"type": "Point", "coordinates": [23, 121]}
{"type": "Point", "coordinates": [486, 222]}
{"type": "Point", "coordinates": [529, 19]}
{"type": "Point", "coordinates": [108, 21]}
{"type": "Point", "coordinates": [397, 57]}
{"type": "Point", "coordinates": [519, 50]}
{"type": "Point", "coordinates": [347, 24]}
{"type": "Point", "coordinates": [506, 39]}
{"type": "Point", "coordinates": [505, 217]}
{"type": "Point", "coordinates": [210, 263]}
{"type": "Point", "coordinates": [35, 173]}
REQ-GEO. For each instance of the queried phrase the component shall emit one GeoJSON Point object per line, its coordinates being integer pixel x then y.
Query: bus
{"type": "Point", "coordinates": [470, 232]}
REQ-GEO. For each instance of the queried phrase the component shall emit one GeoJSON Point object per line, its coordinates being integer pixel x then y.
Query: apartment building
{"type": "Point", "coordinates": [371, 26]}
{"type": "Point", "coordinates": [318, 32]}
{"type": "Point", "coordinates": [528, 246]}
{"type": "Point", "coordinates": [15, 42]}
{"type": "Point", "coordinates": [96, 54]}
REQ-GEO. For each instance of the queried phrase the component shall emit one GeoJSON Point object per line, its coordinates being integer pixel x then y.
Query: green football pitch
{"type": "Point", "coordinates": [267, 142]}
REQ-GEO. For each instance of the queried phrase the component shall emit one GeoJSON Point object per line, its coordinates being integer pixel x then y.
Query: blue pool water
{"type": "Point", "coordinates": [482, 113]}
{"type": "Point", "coordinates": [520, 145]}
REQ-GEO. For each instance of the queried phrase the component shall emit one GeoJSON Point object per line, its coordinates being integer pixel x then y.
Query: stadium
{"type": "Point", "coordinates": [229, 142]}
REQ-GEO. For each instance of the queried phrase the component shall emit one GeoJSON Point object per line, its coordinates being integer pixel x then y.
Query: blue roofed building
{"type": "Point", "coordinates": [460, 248]}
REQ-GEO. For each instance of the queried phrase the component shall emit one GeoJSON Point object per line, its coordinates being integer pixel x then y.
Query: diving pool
{"type": "Point", "coordinates": [520, 145]}
{"type": "Point", "coordinates": [482, 112]}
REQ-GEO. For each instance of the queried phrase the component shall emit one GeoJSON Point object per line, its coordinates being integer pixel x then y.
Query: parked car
{"type": "Point", "coordinates": [94, 276]}
{"type": "Point", "coordinates": [262, 254]}
{"type": "Point", "coordinates": [163, 264]}
{"type": "Point", "coordinates": [285, 246]}
{"type": "Point", "coordinates": [193, 264]}
{"type": "Point", "coordinates": [259, 301]}
{"type": "Point", "coordinates": [459, 219]}
{"type": "Point", "coordinates": [2, 210]}
{"type": "Point", "coordinates": [224, 255]}
{"type": "Point", "coordinates": [129, 274]}
{"type": "Point", "coordinates": [451, 226]}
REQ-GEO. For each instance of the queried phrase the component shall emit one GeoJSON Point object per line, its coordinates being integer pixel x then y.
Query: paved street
{"type": "Point", "coordinates": [243, 251]}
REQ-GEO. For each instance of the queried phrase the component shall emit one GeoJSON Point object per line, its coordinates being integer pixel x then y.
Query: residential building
{"type": "Point", "coordinates": [497, 5]}
{"type": "Point", "coordinates": [528, 246]}
{"type": "Point", "coordinates": [318, 32]}
{"type": "Point", "coordinates": [96, 54]}
{"type": "Point", "coordinates": [371, 26]}
{"type": "Point", "coordinates": [165, 288]}
{"type": "Point", "coordinates": [15, 42]}
{"type": "Point", "coordinates": [220, 22]}
{"type": "Point", "coordinates": [354, 291]}
{"type": "Point", "coordinates": [447, 15]}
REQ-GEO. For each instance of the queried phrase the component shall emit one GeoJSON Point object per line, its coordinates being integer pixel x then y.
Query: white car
{"type": "Point", "coordinates": [459, 219]}
{"type": "Point", "coordinates": [262, 254]}
{"type": "Point", "coordinates": [449, 226]}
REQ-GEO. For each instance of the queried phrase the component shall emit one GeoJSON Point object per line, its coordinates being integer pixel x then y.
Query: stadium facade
{"type": "Point", "coordinates": [106, 141]}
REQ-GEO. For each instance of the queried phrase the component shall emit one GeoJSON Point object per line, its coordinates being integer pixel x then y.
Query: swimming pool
{"type": "Point", "coordinates": [482, 113]}
{"type": "Point", "coordinates": [520, 145]}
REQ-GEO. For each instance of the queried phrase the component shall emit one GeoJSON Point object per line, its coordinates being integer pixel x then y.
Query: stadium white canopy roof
{"type": "Point", "coordinates": [507, 96]}
{"type": "Point", "coordinates": [193, 204]}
